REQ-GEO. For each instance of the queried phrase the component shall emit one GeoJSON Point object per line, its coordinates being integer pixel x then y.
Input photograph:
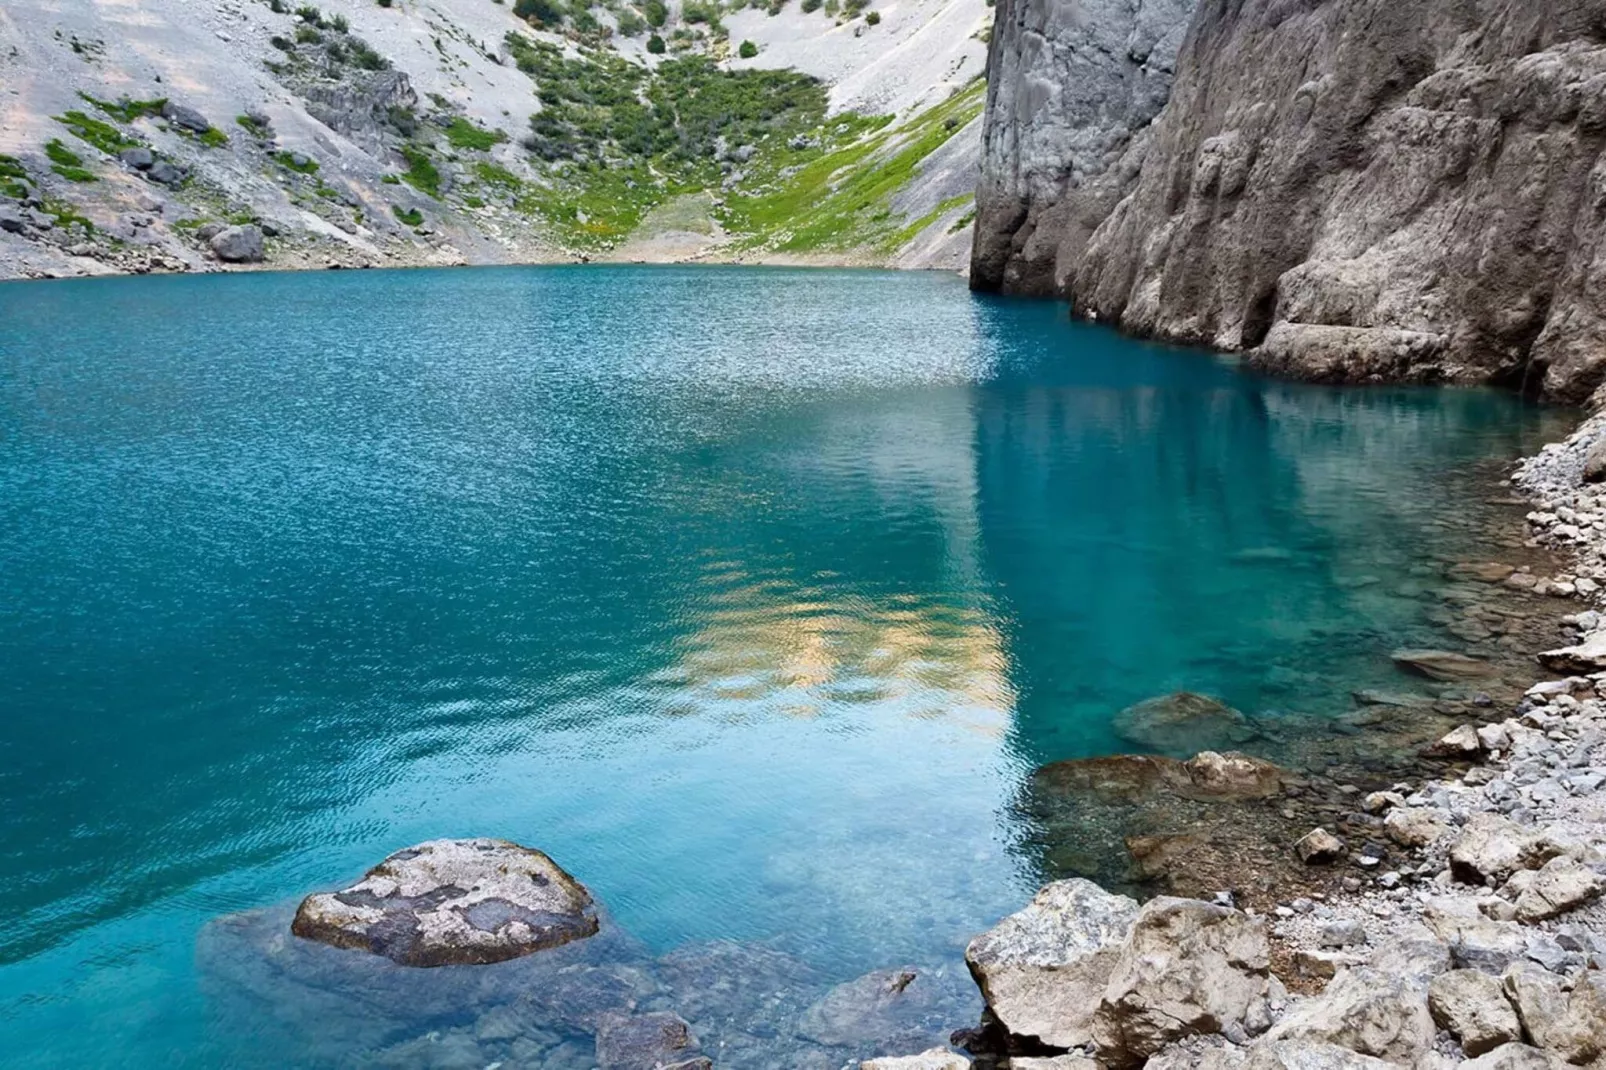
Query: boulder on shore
{"type": "Point", "coordinates": [1044, 969]}
{"type": "Point", "coordinates": [238, 245]}
{"type": "Point", "coordinates": [453, 903]}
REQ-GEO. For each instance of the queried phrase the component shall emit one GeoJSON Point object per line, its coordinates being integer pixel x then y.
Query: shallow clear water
{"type": "Point", "coordinates": [749, 595]}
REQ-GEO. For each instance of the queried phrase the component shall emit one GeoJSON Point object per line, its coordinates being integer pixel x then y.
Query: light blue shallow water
{"type": "Point", "coordinates": [749, 595]}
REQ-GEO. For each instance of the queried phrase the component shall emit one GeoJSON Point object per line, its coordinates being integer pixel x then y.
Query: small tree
{"type": "Point", "coordinates": [872, 17]}
{"type": "Point", "coordinates": [657, 14]}
{"type": "Point", "coordinates": [748, 50]}
{"type": "Point", "coordinates": [655, 45]}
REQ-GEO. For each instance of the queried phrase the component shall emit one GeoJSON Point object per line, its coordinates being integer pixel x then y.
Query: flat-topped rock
{"type": "Point", "coordinates": [453, 903]}
{"type": "Point", "coordinates": [1442, 664]}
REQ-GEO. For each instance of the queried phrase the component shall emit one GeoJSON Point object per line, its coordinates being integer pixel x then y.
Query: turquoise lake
{"type": "Point", "coordinates": [750, 595]}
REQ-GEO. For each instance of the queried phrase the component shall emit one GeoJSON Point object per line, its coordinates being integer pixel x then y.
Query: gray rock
{"type": "Point", "coordinates": [1309, 1055]}
{"type": "Point", "coordinates": [11, 219]}
{"type": "Point", "coordinates": [1475, 941]}
{"type": "Point", "coordinates": [1344, 933]}
{"type": "Point", "coordinates": [238, 245]}
{"type": "Point", "coordinates": [1595, 462]}
{"type": "Point", "coordinates": [139, 158]}
{"type": "Point", "coordinates": [1416, 826]}
{"type": "Point", "coordinates": [1459, 742]}
{"type": "Point", "coordinates": [1044, 969]}
{"type": "Point", "coordinates": [1471, 1005]}
{"type": "Point", "coordinates": [1442, 664]}
{"type": "Point", "coordinates": [1318, 846]}
{"type": "Point", "coordinates": [1514, 1057]}
{"type": "Point", "coordinates": [188, 118]}
{"type": "Point", "coordinates": [1183, 723]}
{"type": "Point", "coordinates": [1188, 968]}
{"type": "Point", "coordinates": [1572, 1027]}
{"type": "Point", "coordinates": [645, 1042]}
{"type": "Point", "coordinates": [1366, 1011]}
{"type": "Point", "coordinates": [1490, 848]}
{"type": "Point", "coordinates": [166, 173]}
{"type": "Point", "coordinates": [453, 902]}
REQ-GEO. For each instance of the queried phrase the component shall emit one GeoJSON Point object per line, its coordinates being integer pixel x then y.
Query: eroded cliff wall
{"type": "Point", "coordinates": [1351, 190]}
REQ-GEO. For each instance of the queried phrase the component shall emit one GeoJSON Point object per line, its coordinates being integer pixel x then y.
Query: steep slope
{"type": "Point", "coordinates": [1353, 191]}
{"type": "Point", "coordinates": [365, 132]}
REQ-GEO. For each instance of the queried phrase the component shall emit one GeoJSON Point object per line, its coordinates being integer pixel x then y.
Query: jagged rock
{"type": "Point", "coordinates": [1571, 1027]}
{"type": "Point", "coordinates": [1183, 723]}
{"type": "Point", "coordinates": [1318, 846]}
{"type": "Point", "coordinates": [1324, 964]}
{"type": "Point", "coordinates": [1366, 1011]}
{"type": "Point", "coordinates": [1490, 848]}
{"type": "Point", "coordinates": [1054, 1062]}
{"type": "Point", "coordinates": [1460, 742]}
{"type": "Point", "coordinates": [1187, 968]}
{"type": "Point", "coordinates": [1559, 886]}
{"type": "Point", "coordinates": [1513, 1057]}
{"type": "Point", "coordinates": [11, 219]}
{"type": "Point", "coordinates": [453, 902]}
{"type": "Point", "coordinates": [1309, 1055]}
{"type": "Point", "coordinates": [1346, 932]}
{"type": "Point", "coordinates": [1442, 664]}
{"type": "Point", "coordinates": [1413, 953]}
{"type": "Point", "coordinates": [652, 1041]}
{"type": "Point", "coordinates": [1474, 940]}
{"type": "Point", "coordinates": [1416, 826]}
{"type": "Point", "coordinates": [1043, 970]}
{"type": "Point", "coordinates": [238, 245]}
{"type": "Point", "coordinates": [1595, 462]}
{"type": "Point", "coordinates": [188, 118]}
{"type": "Point", "coordinates": [935, 1059]}
{"type": "Point", "coordinates": [139, 158]}
{"type": "Point", "coordinates": [1471, 1005]}
{"type": "Point", "coordinates": [1232, 776]}
{"type": "Point", "coordinates": [1585, 657]}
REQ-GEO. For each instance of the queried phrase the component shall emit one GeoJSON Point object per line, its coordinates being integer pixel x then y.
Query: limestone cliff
{"type": "Point", "coordinates": [1351, 190]}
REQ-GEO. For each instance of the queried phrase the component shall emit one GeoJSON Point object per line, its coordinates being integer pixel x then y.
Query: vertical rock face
{"type": "Point", "coordinates": [1354, 191]}
{"type": "Point", "coordinates": [1072, 86]}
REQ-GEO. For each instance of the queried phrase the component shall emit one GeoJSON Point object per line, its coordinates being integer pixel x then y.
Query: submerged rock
{"type": "Point", "coordinates": [453, 902]}
{"type": "Point", "coordinates": [1442, 664]}
{"type": "Point", "coordinates": [1044, 969]}
{"type": "Point", "coordinates": [655, 1041]}
{"type": "Point", "coordinates": [1183, 723]}
{"type": "Point", "coordinates": [894, 1010]}
{"type": "Point", "coordinates": [935, 1059]}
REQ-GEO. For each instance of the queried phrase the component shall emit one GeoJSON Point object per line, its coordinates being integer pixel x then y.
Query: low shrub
{"type": "Point", "coordinates": [747, 50]}
{"type": "Point", "coordinates": [411, 216]}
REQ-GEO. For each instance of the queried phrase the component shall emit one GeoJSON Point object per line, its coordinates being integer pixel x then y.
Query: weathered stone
{"type": "Point", "coordinates": [11, 219]}
{"type": "Point", "coordinates": [1324, 964]}
{"type": "Point", "coordinates": [1442, 664]}
{"type": "Point", "coordinates": [238, 245]}
{"type": "Point", "coordinates": [453, 902]}
{"type": "Point", "coordinates": [1513, 1057]}
{"type": "Point", "coordinates": [1416, 826]}
{"type": "Point", "coordinates": [139, 158]}
{"type": "Point", "coordinates": [935, 1059]}
{"type": "Point", "coordinates": [1309, 1055]}
{"type": "Point", "coordinates": [1595, 462]}
{"type": "Point", "coordinates": [1460, 742]}
{"type": "Point", "coordinates": [644, 1041]}
{"type": "Point", "coordinates": [1475, 941]}
{"type": "Point", "coordinates": [1585, 657]}
{"type": "Point", "coordinates": [1318, 846]}
{"type": "Point", "coordinates": [1491, 848]}
{"type": "Point", "coordinates": [1044, 969]}
{"type": "Point", "coordinates": [186, 117]}
{"type": "Point", "coordinates": [1183, 723]}
{"type": "Point", "coordinates": [1471, 1005]}
{"type": "Point", "coordinates": [1559, 886]}
{"type": "Point", "coordinates": [897, 1009]}
{"type": "Point", "coordinates": [1571, 1027]}
{"type": "Point", "coordinates": [1187, 968]}
{"type": "Point", "coordinates": [1366, 1011]}
{"type": "Point", "coordinates": [166, 173]}
{"type": "Point", "coordinates": [1054, 1062]}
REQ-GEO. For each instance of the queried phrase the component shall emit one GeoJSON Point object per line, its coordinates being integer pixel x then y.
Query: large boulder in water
{"type": "Point", "coordinates": [1043, 970]}
{"type": "Point", "coordinates": [1183, 723]}
{"type": "Point", "coordinates": [453, 903]}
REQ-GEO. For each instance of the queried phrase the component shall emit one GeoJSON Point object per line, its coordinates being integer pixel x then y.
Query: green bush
{"type": "Point", "coordinates": [308, 13]}
{"type": "Point", "coordinates": [657, 14]}
{"type": "Point", "coordinates": [655, 45]}
{"type": "Point", "coordinates": [748, 50]}
{"type": "Point", "coordinates": [545, 12]}
{"type": "Point", "coordinates": [364, 57]}
{"type": "Point", "coordinates": [694, 12]}
{"type": "Point", "coordinates": [872, 18]}
{"type": "Point", "coordinates": [631, 24]}
{"type": "Point", "coordinates": [287, 160]}
{"type": "Point", "coordinates": [339, 24]}
{"type": "Point", "coordinates": [306, 35]}
{"type": "Point", "coordinates": [384, 3]}
{"type": "Point", "coordinates": [421, 173]}
{"type": "Point", "coordinates": [411, 216]}
{"type": "Point", "coordinates": [13, 177]}
{"type": "Point", "coordinates": [812, 5]}
{"type": "Point", "coordinates": [103, 136]}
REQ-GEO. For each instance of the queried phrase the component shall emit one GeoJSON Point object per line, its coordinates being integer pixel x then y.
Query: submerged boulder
{"type": "Point", "coordinates": [1044, 969]}
{"type": "Point", "coordinates": [1442, 664]}
{"type": "Point", "coordinates": [655, 1041]}
{"type": "Point", "coordinates": [1183, 723]}
{"type": "Point", "coordinates": [453, 902]}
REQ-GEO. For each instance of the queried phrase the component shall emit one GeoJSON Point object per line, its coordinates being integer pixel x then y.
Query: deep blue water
{"type": "Point", "coordinates": [749, 595]}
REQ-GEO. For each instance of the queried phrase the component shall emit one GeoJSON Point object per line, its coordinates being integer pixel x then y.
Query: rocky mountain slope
{"type": "Point", "coordinates": [193, 134]}
{"type": "Point", "coordinates": [1349, 190]}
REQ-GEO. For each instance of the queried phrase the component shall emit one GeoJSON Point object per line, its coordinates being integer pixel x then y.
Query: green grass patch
{"type": "Point", "coordinates": [66, 215]}
{"type": "Point", "coordinates": [411, 216]}
{"type": "Point", "coordinates": [913, 229]}
{"type": "Point", "coordinates": [463, 134]}
{"type": "Point", "coordinates": [211, 137]}
{"type": "Point", "coordinates": [421, 173]}
{"type": "Point", "coordinates": [493, 174]}
{"type": "Point", "coordinates": [473, 202]}
{"type": "Point", "coordinates": [390, 180]}
{"type": "Point", "coordinates": [104, 136]}
{"type": "Point", "coordinates": [126, 110]}
{"type": "Point", "coordinates": [66, 163]}
{"type": "Point", "coordinates": [13, 177]}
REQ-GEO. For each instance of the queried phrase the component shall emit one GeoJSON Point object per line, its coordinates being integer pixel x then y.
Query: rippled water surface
{"type": "Point", "coordinates": [749, 595]}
